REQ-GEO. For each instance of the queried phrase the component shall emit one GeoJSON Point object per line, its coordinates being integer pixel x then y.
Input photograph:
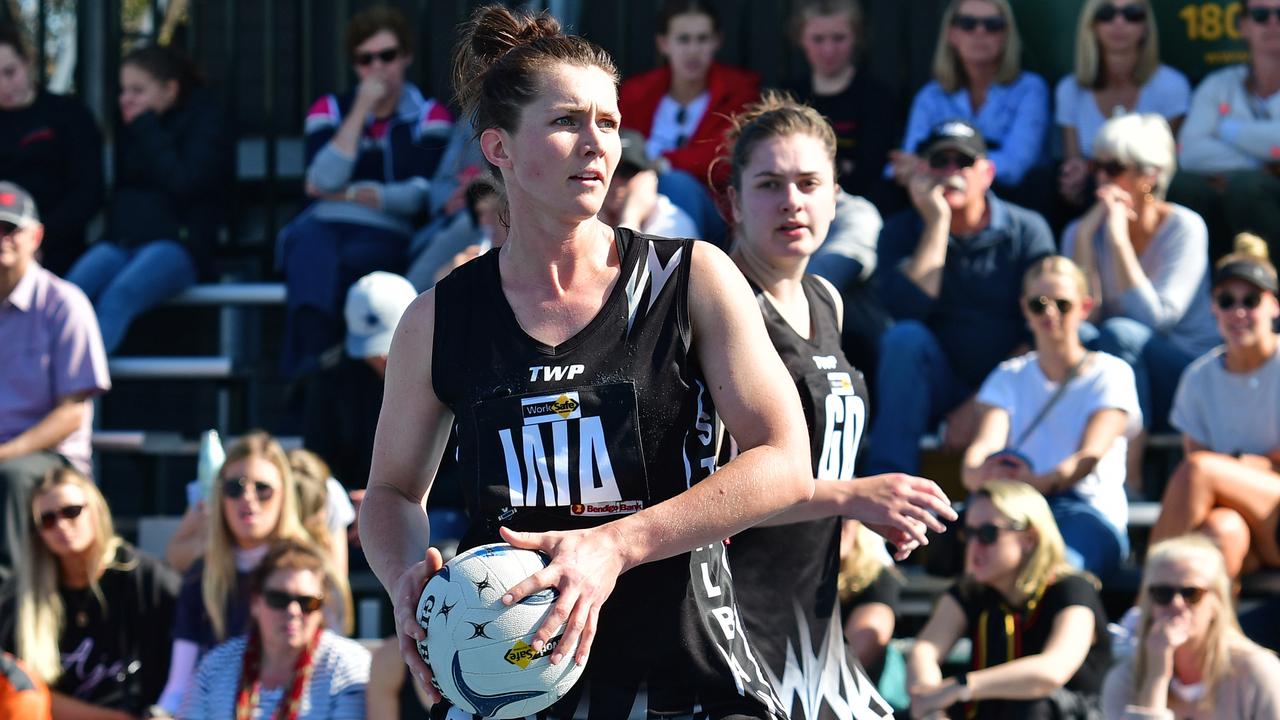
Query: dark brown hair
{"type": "Point", "coordinates": [164, 64]}
{"type": "Point", "coordinates": [367, 23]}
{"type": "Point", "coordinates": [672, 8]}
{"type": "Point", "coordinates": [776, 114]}
{"type": "Point", "coordinates": [501, 57]}
{"type": "Point", "coordinates": [12, 35]}
{"type": "Point", "coordinates": [289, 555]}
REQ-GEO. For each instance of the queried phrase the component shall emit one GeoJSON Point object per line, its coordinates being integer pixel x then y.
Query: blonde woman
{"type": "Point", "coordinates": [323, 514]}
{"type": "Point", "coordinates": [869, 586]}
{"type": "Point", "coordinates": [1059, 419]}
{"type": "Point", "coordinates": [1117, 71]}
{"type": "Point", "coordinates": [88, 613]}
{"type": "Point", "coordinates": [1038, 628]}
{"type": "Point", "coordinates": [1191, 660]}
{"type": "Point", "coordinates": [254, 502]}
{"type": "Point", "coordinates": [978, 78]}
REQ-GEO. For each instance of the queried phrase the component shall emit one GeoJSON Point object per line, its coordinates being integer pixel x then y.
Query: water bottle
{"type": "Point", "coordinates": [209, 462]}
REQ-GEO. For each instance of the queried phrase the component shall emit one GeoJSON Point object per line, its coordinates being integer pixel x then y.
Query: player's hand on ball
{"type": "Point", "coordinates": [901, 508]}
{"type": "Point", "coordinates": [404, 600]}
{"type": "Point", "coordinates": [584, 568]}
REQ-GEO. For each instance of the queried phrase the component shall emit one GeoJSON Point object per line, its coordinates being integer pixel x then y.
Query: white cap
{"type": "Point", "coordinates": [374, 306]}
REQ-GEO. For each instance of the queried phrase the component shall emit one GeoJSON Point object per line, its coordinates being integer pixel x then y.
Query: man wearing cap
{"type": "Point", "coordinates": [950, 274]}
{"type": "Point", "coordinates": [52, 363]}
{"type": "Point", "coordinates": [634, 202]}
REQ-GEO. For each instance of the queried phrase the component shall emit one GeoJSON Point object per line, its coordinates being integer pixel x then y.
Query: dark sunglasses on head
{"type": "Point", "coordinates": [1037, 305]}
{"type": "Point", "coordinates": [50, 518]}
{"type": "Point", "coordinates": [969, 23]}
{"type": "Point", "coordinates": [366, 59]}
{"type": "Point", "coordinates": [1110, 168]}
{"type": "Point", "coordinates": [1131, 13]}
{"type": "Point", "coordinates": [987, 533]}
{"type": "Point", "coordinates": [235, 488]}
{"type": "Point", "coordinates": [280, 600]}
{"type": "Point", "coordinates": [944, 160]}
{"type": "Point", "coordinates": [1228, 301]}
{"type": "Point", "coordinates": [1260, 15]}
{"type": "Point", "coordinates": [1163, 594]}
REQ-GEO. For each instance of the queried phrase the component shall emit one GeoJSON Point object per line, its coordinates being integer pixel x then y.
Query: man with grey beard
{"type": "Point", "coordinates": [950, 272]}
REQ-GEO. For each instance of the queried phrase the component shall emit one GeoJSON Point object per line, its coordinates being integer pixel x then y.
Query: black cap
{"type": "Point", "coordinates": [955, 135]}
{"type": "Point", "coordinates": [16, 205]}
{"type": "Point", "coordinates": [1248, 271]}
{"type": "Point", "coordinates": [633, 152]}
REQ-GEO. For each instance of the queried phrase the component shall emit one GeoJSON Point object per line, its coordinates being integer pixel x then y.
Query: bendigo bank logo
{"type": "Point", "coordinates": [549, 408]}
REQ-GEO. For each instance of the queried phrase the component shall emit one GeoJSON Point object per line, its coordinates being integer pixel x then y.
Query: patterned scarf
{"type": "Point", "coordinates": [251, 683]}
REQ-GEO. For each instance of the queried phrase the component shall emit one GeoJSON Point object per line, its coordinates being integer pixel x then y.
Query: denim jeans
{"type": "Point", "coordinates": [1093, 543]}
{"type": "Point", "coordinates": [123, 283]}
{"type": "Point", "coordinates": [685, 192]}
{"type": "Point", "coordinates": [915, 387]}
{"type": "Point", "coordinates": [1157, 363]}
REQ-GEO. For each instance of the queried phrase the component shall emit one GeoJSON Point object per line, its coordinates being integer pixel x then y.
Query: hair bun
{"type": "Point", "coordinates": [1251, 245]}
{"type": "Point", "coordinates": [487, 37]}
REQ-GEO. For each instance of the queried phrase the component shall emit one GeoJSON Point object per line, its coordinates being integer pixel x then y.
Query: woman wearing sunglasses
{"type": "Point", "coordinates": [1040, 647]}
{"type": "Point", "coordinates": [1191, 660]}
{"type": "Point", "coordinates": [1228, 409]}
{"type": "Point", "coordinates": [287, 666]}
{"type": "Point", "coordinates": [978, 78]}
{"type": "Point", "coordinates": [1059, 419]}
{"type": "Point", "coordinates": [1117, 70]}
{"type": "Point", "coordinates": [87, 612]}
{"type": "Point", "coordinates": [370, 155]}
{"type": "Point", "coordinates": [253, 503]}
{"type": "Point", "coordinates": [1148, 262]}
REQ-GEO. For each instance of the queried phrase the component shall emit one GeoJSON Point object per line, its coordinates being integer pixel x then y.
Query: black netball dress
{"type": "Point", "coordinates": [614, 420]}
{"type": "Point", "coordinates": [786, 575]}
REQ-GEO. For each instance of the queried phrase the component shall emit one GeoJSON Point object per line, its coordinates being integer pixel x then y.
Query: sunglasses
{"type": "Point", "coordinates": [987, 533]}
{"type": "Point", "coordinates": [1038, 305]}
{"type": "Point", "coordinates": [969, 23]}
{"type": "Point", "coordinates": [235, 489]}
{"type": "Point", "coordinates": [1110, 168]}
{"type": "Point", "coordinates": [51, 518]}
{"type": "Point", "coordinates": [281, 600]}
{"type": "Point", "coordinates": [945, 160]}
{"type": "Point", "coordinates": [1163, 594]}
{"type": "Point", "coordinates": [365, 59]}
{"type": "Point", "coordinates": [1260, 15]}
{"type": "Point", "coordinates": [7, 229]}
{"type": "Point", "coordinates": [1131, 13]}
{"type": "Point", "coordinates": [1228, 301]}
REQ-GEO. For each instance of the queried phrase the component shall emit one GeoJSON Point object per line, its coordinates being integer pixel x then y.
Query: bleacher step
{"type": "Point", "coordinates": [214, 367]}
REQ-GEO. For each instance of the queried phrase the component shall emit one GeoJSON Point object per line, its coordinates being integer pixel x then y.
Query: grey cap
{"type": "Point", "coordinates": [16, 205]}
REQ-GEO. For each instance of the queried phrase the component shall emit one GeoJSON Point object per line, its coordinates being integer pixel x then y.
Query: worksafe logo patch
{"type": "Point", "coordinates": [549, 408]}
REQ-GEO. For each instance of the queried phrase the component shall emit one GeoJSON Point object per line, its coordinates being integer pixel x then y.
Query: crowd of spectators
{"type": "Point", "coordinates": [1043, 299]}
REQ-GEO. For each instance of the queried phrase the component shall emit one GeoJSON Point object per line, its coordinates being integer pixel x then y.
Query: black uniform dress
{"type": "Point", "coordinates": [613, 420]}
{"type": "Point", "coordinates": [786, 574]}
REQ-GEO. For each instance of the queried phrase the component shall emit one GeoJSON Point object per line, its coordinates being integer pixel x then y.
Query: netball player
{"type": "Point", "coordinates": [580, 365]}
{"type": "Point", "coordinates": [783, 197]}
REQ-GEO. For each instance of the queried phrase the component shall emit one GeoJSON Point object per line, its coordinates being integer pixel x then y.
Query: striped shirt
{"type": "Point", "coordinates": [335, 692]}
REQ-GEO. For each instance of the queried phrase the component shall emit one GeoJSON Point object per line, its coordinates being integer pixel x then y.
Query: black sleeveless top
{"type": "Point", "coordinates": [786, 575]}
{"type": "Point", "coordinates": [613, 420]}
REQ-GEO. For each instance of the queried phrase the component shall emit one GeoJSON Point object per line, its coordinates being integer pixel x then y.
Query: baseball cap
{"type": "Point", "coordinates": [374, 306]}
{"type": "Point", "coordinates": [1251, 272]}
{"type": "Point", "coordinates": [633, 153]}
{"type": "Point", "coordinates": [955, 135]}
{"type": "Point", "coordinates": [16, 205]}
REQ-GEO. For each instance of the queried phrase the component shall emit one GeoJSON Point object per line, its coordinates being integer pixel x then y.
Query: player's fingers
{"type": "Point", "coordinates": [556, 618]}
{"type": "Point", "coordinates": [573, 630]}
{"type": "Point", "coordinates": [420, 670]}
{"type": "Point", "coordinates": [546, 577]}
{"type": "Point", "coordinates": [526, 540]}
{"type": "Point", "coordinates": [922, 508]}
{"type": "Point", "coordinates": [405, 612]}
{"type": "Point", "coordinates": [588, 636]}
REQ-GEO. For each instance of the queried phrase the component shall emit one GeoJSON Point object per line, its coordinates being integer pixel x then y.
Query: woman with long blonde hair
{"type": "Point", "coordinates": [1040, 645]}
{"type": "Point", "coordinates": [1191, 660]}
{"type": "Point", "coordinates": [87, 612]}
{"type": "Point", "coordinates": [253, 502]}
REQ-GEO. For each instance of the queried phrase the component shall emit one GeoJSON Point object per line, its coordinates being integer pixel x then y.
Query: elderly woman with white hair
{"type": "Point", "coordinates": [1147, 259]}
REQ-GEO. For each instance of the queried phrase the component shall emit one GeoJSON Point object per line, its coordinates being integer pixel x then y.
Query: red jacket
{"type": "Point", "coordinates": [730, 88]}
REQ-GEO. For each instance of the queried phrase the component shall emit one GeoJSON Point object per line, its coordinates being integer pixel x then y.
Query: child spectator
{"type": "Point", "coordinates": [978, 78]}
{"type": "Point", "coordinates": [369, 156]}
{"type": "Point", "coordinates": [50, 145]}
{"type": "Point", "coordinates": [88, 613]}
{"type": "Point", "coordinates": [465, 235]}
{"type": "Point", "coordinates": [1117, 71]}
{"type": "Point", "coordinates": [1191, 660]}
{"type": "Point", "coordinates": [1040, 644]}
{"type": "Point", "coordinates": [172, 169]}
{"type": "Point", "coordinates": [1059, 419]}
{"type": "Point", "coordinates": [1230, 144]}
{"type": "Point", "coordinates": [1228, 409]}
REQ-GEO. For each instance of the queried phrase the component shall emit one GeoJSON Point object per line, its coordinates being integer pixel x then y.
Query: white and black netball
{"type": "Point", "coordinates": [478, 648]}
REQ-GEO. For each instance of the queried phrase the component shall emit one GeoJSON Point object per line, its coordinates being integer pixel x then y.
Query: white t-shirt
{"type": "Point", "coordinates": [1166, 93]}
{"type": "Point", "coordinates": [1019, 387]}
{"type": "Point", "coordinates": [673, 121]}
{"type": "Point", "coordinates": [668, 220]}
{"type": "Point", "coordinates": [1229, 412]}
